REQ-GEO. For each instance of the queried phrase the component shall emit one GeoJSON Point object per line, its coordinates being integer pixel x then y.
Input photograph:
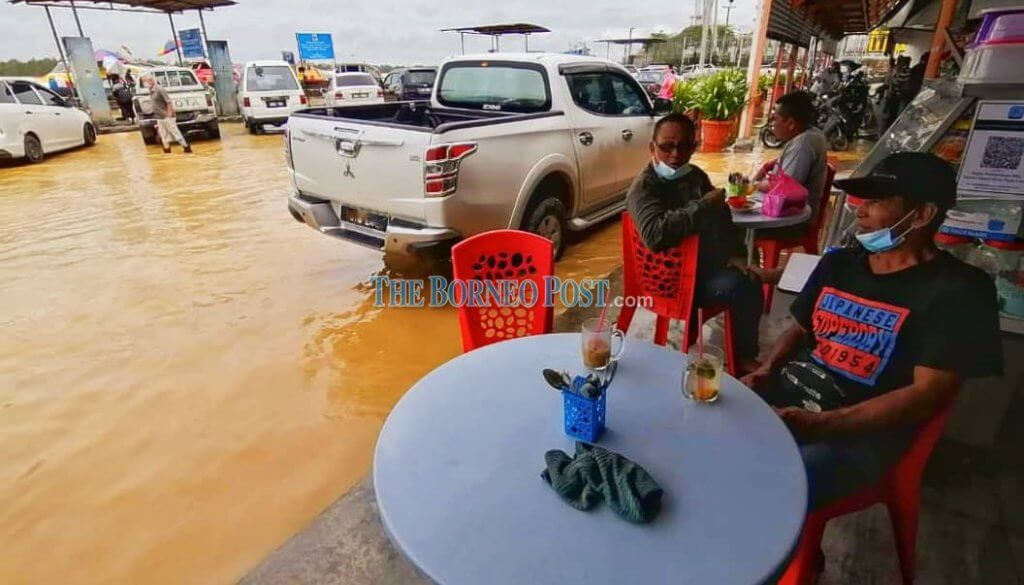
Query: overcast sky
{"type": "Point", "coordinates": [375, 31]}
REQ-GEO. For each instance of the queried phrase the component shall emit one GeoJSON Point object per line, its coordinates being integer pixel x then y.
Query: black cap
{"type": "Point", "coordinates": [918, 177]}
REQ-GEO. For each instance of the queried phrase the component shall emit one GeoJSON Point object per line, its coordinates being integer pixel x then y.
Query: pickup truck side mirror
{"type": "Point", "coordinates": [662, 106]}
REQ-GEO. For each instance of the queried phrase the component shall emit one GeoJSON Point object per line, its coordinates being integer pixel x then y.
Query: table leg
{"type": "Point", "coordinates": [750, 247]}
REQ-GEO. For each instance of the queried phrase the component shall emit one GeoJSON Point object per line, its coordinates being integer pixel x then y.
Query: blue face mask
{"type": "Point", "coordinates": [670, 174]}
{"type": "Point", "coordinates": [882, 240]}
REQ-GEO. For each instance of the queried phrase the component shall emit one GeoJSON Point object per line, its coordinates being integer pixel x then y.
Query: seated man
{"type": "Point", "coordinates": [672, 199]}
{"type": "Point", "coordinates": [885, 332]}
{"type": "Point", "coordinates": [804, 156]}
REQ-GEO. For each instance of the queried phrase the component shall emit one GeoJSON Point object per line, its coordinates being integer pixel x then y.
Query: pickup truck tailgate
{"type": "Point", "coordinates": [365, 166]}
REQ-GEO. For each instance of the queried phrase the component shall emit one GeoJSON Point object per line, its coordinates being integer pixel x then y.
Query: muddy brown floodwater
{"type": "Point", "coordinates": [187, 375]}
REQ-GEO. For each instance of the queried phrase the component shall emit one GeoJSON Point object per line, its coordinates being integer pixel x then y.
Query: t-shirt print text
{"type": "Point", "coordinates": [855, 336]}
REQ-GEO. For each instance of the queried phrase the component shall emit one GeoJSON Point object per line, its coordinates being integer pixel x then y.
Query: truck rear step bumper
{"type": "Point", "coordinates": [395, 239]}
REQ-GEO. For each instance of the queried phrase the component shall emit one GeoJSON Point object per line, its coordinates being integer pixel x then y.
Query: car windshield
{"type": "Point", "coordinates": [420, 77]}
{"type": "Point", "coordinates": [495, 86]}
{"type": "Point", "coordinates": [270, 78]}
{"type": "Point", "coordinates": [355, 80]}
{"type": "Point", "coordinates": [173, 79]}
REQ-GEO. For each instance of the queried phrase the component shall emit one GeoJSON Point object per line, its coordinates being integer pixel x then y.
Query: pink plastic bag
{"type": "Point", "coordinates": [785, 196]}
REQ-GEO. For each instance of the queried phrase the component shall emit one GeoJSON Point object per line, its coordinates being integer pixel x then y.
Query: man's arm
{"type": "Point", "coordinates": [662, 228]}
{"type": "Point", "coordinates": [907, 406]}
{"type": "Point", "coordinates": [784, 346]}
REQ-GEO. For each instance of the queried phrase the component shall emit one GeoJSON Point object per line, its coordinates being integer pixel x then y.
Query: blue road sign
{"type": "Point", "coordinates": [315, 46]}
{"type": "Point", "coordinates": [191, 43]}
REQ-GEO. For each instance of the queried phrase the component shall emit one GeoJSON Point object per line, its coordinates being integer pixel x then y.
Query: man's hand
{"type": "Point", "coordinates": [756, 380]}
{"type": "Point", "coordinates": [802, 423]}
{"type": "Point", "coordinates": [764, 170]}
{"type": "Point", "coordinates": [715, 198]}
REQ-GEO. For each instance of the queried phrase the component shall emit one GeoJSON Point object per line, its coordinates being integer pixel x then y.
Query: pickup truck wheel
{"type": "Point", "coordinates": [213, 131]}
{"type": "Point", "coordinates": [253, 127]}
{"type": "Point", "coordinates": [148, 136]}
{"type": "Point", "coordinates": [547, 219]}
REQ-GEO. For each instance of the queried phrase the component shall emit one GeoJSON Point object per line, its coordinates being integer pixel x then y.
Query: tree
{"type": "Point", "coordinates": [671, 50]}
{"type": "Point", "coordinates": [30, 68]}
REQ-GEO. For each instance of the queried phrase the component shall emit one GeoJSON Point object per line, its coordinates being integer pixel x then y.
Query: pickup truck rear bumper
{"type": "Point", "coordinates": [191, 123]}
{"type": "Point", "coordinates": [404, 239]}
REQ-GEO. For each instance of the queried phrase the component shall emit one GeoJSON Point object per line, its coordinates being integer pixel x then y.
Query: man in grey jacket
{"type": "Point", "coordinates": [672, 199]}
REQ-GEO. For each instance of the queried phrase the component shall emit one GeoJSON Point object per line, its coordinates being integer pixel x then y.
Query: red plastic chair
{"type": "Point", "coordinates": [900, 491]}
{"type": "Point", "coordinates": [668, 278]}
{"type": "Point", "coordinates": [502, 255]}
{"type": "Point", "coordinates": [771, 248]}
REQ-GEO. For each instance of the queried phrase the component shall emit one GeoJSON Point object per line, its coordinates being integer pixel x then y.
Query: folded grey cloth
{"type": "Point", "coordinates": [596, 474]}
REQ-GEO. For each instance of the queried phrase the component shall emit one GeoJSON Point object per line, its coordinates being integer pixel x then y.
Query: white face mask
{"type": "Point", "coordinates": [671, 174]}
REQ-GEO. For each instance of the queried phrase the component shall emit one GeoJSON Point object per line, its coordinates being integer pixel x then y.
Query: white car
{"type": "Point", "coordinates": [539, 142]}
{"type": "Point", "coordinates": [268, 93]}
{"type": "Point", "coordinates": [34, 122]}
{"type": "Point", "coordinates": [353, 89]}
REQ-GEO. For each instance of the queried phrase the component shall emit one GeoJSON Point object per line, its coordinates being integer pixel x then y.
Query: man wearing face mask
{"type": "Point", "coordinates": [885, 332]}
{"type": "Point", "coordinates": [672, 199]}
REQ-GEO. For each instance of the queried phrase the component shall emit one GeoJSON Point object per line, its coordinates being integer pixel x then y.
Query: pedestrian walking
{"type": "Point", "coordinates": [123, 97]}
{"type": "Point", "coordinates": [163, 111]}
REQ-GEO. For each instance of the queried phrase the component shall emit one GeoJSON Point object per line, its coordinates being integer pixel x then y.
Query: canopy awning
{"type": "Point", "coordinates": [845, 17]}
{"type": "Point", "coordinates": [132, 5]}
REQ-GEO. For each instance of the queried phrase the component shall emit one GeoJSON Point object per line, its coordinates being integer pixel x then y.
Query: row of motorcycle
{"type": "Point", "coordinates": [846, 111]}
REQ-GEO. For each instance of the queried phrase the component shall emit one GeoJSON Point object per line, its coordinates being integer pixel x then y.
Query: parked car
{"type": "Point", "coordinates": [193, 104]}
{"type": "Point", "coordinates": [651, 81]}
{"type": "Point", "coordinates": [353, 89]}
{"type": "Point", "coordinates": [35, 121]}
{"type": "Point", "coordinates": [632, 70]}
{"type": "Point", "coordinates": [203, 72]}
{"type": "Point", "coordinates": [692, 71]}
{"type": "Point", "coordinates": [411, 84]}
{"type": "Point", "coordinates": [541, 142]}
{"type": "Point", "coordinates": [268, 93]}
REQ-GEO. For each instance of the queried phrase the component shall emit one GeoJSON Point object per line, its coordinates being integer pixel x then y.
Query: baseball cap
{"type": "Point", "coordinates": [918, 177]}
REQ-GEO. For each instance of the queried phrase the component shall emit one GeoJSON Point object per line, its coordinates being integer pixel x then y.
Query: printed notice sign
{"type": "Point", "coordinates": [992, 164]}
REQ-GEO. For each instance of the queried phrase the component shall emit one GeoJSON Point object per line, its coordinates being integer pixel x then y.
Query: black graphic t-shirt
{"type": "Point", "coordinates": [869, 331]}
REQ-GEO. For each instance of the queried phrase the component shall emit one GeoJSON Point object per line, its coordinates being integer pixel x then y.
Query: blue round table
{"type": "Point", "coordinates": [457, 475]}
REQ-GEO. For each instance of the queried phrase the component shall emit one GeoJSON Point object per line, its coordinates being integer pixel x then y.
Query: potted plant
{"type": "Point", "coordinates": [721, 97]}
{"type": "Point", "coordinates": [687, 92]}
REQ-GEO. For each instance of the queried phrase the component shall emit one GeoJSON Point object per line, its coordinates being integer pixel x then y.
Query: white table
{"type": "Point", "coordinates": [457, 475]}
{"type": "Point", "coordinates": [755, 220]}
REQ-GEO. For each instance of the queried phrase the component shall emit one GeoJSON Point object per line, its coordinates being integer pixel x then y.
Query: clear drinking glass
{"type": "Point", "coordinates": [702, 377]}
{"type": "Point", "coordinates": [597, 344]}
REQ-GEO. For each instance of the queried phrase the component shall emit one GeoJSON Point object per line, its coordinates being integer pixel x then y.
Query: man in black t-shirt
{"type": "Point", "coordinates": [885, 333]}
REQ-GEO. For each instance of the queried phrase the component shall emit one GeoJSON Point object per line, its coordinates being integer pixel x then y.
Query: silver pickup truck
{"type": "Point", "coordinates": [540, 142]}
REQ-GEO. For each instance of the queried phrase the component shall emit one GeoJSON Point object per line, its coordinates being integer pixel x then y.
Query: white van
{"type": "Point", "coordinates": [268, 93]}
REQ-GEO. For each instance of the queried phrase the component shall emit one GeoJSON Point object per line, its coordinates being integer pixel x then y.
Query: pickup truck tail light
{"type": "Point", "coordinates": [209, 101]}
{"type": "Point", "coordinates": [303, 100]}
{"type": "Point", "coordinates": [380, 93]}
{"type": "Point", "coordinates": [246, 103]}
{"type": "Point", "coordinates": [441, 167]}
{"type": "Point", "coordinates": [288, 148]}
{"type": "Point", "coordinates": [339, 96]}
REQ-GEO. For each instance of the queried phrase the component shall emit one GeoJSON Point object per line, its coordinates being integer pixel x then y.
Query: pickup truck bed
{"type": "Point", "coordinates": [418, 115]}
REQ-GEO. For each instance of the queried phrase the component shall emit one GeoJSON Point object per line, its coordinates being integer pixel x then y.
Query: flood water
{"type": "Point", "coordinates": [187, 375]}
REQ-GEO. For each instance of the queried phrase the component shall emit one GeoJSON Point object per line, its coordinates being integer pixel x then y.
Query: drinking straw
{"type": "Point", "coordinates": [600, 322]}
{"type": "Point", "coordinates": [700, 333]}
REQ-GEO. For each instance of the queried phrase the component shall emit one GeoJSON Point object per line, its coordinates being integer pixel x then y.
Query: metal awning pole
{"type": "Point", "coordinates": [174, 39]}
{"type": "Point", "coordinates": [78, 22]}
{"type": "Point", "coordinates": [202, 25]}
{"type": "Point", "coordinates": [60, 50]}
{"type": "Point", "coordinates": [462, 41]}
{"type": "Point", "coordinates": [526, 39]}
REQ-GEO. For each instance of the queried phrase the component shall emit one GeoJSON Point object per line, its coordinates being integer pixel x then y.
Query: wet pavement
{"type": "Point", "coordinates": [187, 375]}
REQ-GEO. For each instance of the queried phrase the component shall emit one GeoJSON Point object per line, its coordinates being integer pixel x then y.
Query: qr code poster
{"type": "Point", "coordinates": [992, 164]}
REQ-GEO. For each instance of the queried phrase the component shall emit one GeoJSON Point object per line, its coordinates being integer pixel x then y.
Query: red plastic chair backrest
{"type": "Point", "coordinates": [503, 255]}
{"type": "Point", "coordinates": [667, 277]}
{"type": "Point", "coordinates": [911, 465]}
{"type": "Point", "coordinates": [819, 219]}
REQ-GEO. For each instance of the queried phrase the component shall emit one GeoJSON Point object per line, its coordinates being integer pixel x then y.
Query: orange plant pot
{"type": "Point", "coordinates": [715, 135]}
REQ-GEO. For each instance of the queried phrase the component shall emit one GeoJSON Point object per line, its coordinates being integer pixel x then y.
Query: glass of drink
{"type": "Point", "coordinates": [597, 344]}
{"type": "Point", "coordinates": [703, 375]}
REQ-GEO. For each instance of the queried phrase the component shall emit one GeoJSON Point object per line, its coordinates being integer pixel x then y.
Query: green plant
{"type": "Point", "coordinates": [722, 95]}
{"type": "Point", "coordinates": [764, 83]}
{"type": "Point", "coordinates": [687, 92]}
